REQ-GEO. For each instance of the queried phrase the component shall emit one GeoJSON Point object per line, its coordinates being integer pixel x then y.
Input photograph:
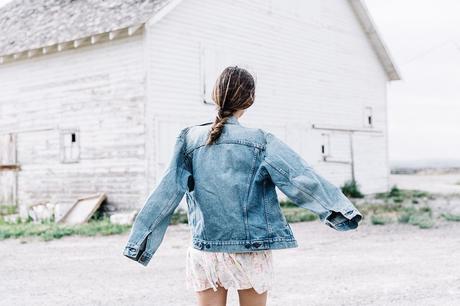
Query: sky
{"type": "Point", "coordinates": [423, 36]}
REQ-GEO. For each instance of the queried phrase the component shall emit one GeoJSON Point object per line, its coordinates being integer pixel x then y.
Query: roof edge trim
{"type": "Point", "coordinates": [369, 27]}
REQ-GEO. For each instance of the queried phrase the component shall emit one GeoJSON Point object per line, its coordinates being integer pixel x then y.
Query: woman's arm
{"type": "Point", "coordinates": [153, 219]}
{"type": "Point", "coordinates": [300, 183]}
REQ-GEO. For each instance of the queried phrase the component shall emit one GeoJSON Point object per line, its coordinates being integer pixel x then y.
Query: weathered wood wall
{"type": "Point", "coordinates": [97, 91]}
{"type": "Point", "coordinates": [126, 100]}
{"type": "Point", "coordinates": [313, 64]}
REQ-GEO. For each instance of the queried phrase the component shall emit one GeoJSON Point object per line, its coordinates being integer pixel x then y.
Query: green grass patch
{"type": "Point", "coordinates": [381, 219]}
{"type": "Point", "coordinates": [51, 230]}
{"type": "Point", "coordinates": [351, 189]}
{"type": "Point", "coordinates": [294, 213]}
{"type": "Point", "coordinates": [179, 217]}
{"type": "Point", "coordinates": [298, 214]}
{"type": "Point", "coordinates": [397, 195]}
{"type": "Point", "coordinates": [7, 210]}
{"type": "Point", "coordinates": [380, 214]}
{"type": "Point", "coordinates": [451, 217]}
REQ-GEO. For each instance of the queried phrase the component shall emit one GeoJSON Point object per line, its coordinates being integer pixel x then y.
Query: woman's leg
{"type": "Point", "coordinates": [250, 297]}
{"type": "Point", "coordinates": [209, 297]}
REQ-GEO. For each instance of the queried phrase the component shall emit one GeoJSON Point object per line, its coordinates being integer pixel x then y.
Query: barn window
{"type": "Point", "coordinates": [213, 60]}
{"type": "Point", "coordinates": [70, 146]}
{"type": "Point", "coordinates": [368, 118]}
{"type": "Point", "coordinates": [325, 145]}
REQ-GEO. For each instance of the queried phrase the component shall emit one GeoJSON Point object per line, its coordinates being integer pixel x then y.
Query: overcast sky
{"type": "Point", "coordinates": [424, 108]}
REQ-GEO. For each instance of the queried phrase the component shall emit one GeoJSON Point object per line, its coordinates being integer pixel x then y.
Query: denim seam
{"type": "Point", "coordinates": [264, 195]}
{"type": "Point", "coordinates": [240, 142]}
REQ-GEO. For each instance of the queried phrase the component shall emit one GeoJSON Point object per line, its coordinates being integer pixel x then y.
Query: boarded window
{"type": "Point", "coordinates": [70, 146]}
{"type": "Point", "coordinates": [214, 59]}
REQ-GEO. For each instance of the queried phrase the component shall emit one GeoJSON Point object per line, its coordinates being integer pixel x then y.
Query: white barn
{"type": "Point", "coordinates": [93, 93]}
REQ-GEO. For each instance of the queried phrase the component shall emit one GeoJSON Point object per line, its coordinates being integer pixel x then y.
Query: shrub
{"type": "Point", "coordinates": [422, 220]}
{"type": "Point", "coordinates": [351, 189]}
{"type": "Point", "coordinates": [380, 219]}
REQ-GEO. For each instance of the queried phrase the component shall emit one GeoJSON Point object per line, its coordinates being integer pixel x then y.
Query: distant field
{"type": "Point", "coordinates": [435, 183]}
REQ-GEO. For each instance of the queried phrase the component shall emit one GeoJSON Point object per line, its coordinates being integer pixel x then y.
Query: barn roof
{"type": "Point", "coordinates": [30, 24]}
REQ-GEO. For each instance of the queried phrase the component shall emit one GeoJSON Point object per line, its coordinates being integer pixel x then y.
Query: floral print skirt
{"type": "Point", "coordinates": [236, 270]}
{"type": "Point", "coordinates": [229, 270]}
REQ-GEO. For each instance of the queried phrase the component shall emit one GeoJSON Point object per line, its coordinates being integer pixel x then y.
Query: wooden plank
{"type": "Point", "coordinates": [82, 210]}
{"type": "Point", "coordinates": [8, 170]}
{"type": "Point", "coordinates": [10, 167]}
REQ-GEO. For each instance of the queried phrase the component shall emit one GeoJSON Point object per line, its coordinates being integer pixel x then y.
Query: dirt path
{"type": "Point", "coordinates": [396, 264]}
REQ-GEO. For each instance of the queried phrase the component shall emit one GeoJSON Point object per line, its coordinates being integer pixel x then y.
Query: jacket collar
{"type": "Point", "coordinates": [232, 120]}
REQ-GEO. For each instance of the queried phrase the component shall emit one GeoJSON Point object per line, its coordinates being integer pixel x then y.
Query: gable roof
{"type": "Point", "coordinates": [366, 21]}
{"type": "Point", "coordinates": [31, 24]}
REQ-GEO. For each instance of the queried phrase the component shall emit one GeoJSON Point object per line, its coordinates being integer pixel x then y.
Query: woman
{"type": "Point", "coordinates": [228, 173]}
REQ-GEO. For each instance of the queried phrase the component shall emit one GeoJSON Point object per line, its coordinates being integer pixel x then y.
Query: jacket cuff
{"type": "Point", "coordinates": [343, 221]}
{"type": "Point", "coordinates": [133, 252]}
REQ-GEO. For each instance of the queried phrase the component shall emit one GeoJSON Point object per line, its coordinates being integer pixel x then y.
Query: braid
{"type": "Point", "coordinates": [218, 125]}
{"type": "Point", "coordinates": [233, 91]}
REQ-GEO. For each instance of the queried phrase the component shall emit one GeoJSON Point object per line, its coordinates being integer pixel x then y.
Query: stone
{"type": "Point", "coordinates": [123, 218]}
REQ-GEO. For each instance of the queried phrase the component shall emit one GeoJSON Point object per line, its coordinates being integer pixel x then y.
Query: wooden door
{"type": "Point", "coordinates": [8, 170]}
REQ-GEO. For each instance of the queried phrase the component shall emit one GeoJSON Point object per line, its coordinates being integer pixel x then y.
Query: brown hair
{"type": "Point", "coordinates": [234, 90]}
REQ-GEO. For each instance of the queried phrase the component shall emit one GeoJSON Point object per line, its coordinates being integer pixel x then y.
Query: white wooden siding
{"type": "Point", "coordinates": [316, 70]}
{"type": "Point", "coordinates": [99, 90]}
{"type": "Point", "coordinates": [129, 98]}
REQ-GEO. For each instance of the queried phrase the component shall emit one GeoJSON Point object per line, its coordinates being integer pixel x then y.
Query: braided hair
{"type": "Point", "coordinates": [234, 90]}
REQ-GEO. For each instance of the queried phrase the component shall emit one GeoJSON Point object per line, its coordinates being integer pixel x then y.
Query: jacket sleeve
{"type": "Point", "coordinates": [151, 222]}
{"type": "Point", "coordinates": [303, 186]}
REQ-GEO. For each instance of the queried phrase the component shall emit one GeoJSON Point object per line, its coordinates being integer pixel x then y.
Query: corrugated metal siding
{"type": "Point", "coordinates": [313, 64]}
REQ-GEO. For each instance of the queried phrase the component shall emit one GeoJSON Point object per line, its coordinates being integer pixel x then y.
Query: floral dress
{"type": "Point", "coordinates": [237, 270]}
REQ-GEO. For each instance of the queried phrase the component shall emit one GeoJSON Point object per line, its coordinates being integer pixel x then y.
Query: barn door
{"type": "Point", "coordinates": [8, 170]}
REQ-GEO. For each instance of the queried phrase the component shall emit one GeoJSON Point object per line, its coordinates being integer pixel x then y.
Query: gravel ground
{"type": "Point", "coordinates": [395, 264]}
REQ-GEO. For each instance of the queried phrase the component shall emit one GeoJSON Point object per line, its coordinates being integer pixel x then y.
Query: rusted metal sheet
{"type": "Point", "coordinates": [9, 167]}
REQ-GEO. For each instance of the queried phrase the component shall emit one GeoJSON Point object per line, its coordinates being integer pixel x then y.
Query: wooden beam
{"type": "Point", "coordinates": [31, 53]}
{"type": "Point", "coordinates": [113, 34]}
{"type": "Point", "coordinates": [77, 42]}
{"type": "Point", "coordinates": [62, 46]}
{"type": "Point", "coordinates": [133, 29]}
{"type": "Point", "coordinates": [346, 129]}
{"type": "Point", "coordinates": [95, 39]}
{"type": "Point", "coordinates": [14, 167]}
{"type": "Point", "coordinates": [2, 59]}
{"type": "Point", "coordinates": [45, 50]}
{"type": "Point", "coordinates": [17, 55]}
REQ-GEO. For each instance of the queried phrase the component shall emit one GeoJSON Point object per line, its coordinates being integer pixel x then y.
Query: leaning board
{"type": "Point", "coordinates": [83, 209]}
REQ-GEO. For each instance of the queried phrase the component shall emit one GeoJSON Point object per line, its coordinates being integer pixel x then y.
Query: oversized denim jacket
{"type": "Point", "coordinates": [230, 193]}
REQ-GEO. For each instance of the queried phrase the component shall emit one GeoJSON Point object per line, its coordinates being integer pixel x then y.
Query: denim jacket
{"type": "Point", "coordinates": [230, 193]}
